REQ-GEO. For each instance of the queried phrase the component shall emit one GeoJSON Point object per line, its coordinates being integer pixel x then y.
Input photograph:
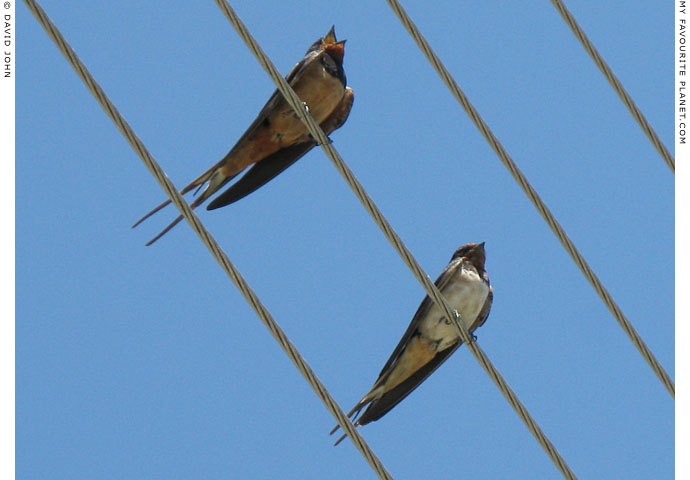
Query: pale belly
{"type": "Point", "coordinates": [466, 294]}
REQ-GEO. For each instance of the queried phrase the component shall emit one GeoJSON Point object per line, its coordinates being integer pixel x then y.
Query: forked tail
{"type": "Point", "coordinates": [216, 180]}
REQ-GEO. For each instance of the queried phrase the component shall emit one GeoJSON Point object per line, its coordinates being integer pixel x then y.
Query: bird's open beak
{"type": "Point", "coordinates": [332, 46]}
{"type": "Point", "coordinates": [329, 38]}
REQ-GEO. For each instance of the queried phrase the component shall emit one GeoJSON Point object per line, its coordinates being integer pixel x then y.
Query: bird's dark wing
{"type": "Point", "coordinates": [261, 173]}
{"type": "Point", "coordinates": [379, 407]}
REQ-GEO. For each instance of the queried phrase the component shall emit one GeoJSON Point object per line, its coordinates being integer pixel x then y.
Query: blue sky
{"type": "Point", "coordinates": [137, 362]}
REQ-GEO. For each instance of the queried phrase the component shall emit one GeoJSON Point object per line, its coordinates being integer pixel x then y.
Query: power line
{"type": "Point", "coordinates": [236, 277]}
{"type": "Point", "coordinates": [208, 240]}
{"type": "Point", "coordinates": [393, 238]}
{"type": "Point", "coordinates": [359, 191]}
{"type": "Point", "coordinates": [616, 84]}
{"type": "Point", "coordinates": [543, 210]}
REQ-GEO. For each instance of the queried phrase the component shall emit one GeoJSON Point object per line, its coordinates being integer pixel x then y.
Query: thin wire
{"type": "Point", "coordinates": [390, 234]}
{"type": "Point", "coordinates": [208, 240]}
{"type": "Point", "coordinates": [534, 197]}
{"type": "Point", "coordinates": [616, 84]}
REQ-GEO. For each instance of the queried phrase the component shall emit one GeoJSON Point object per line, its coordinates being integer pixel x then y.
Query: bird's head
{"type": "Point", "coordinates": [331, 45]}
{"type": "Point", "coordinates": [473, 252]}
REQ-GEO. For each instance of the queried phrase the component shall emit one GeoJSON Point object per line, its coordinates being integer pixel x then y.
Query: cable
{"type": "Point", "coordinates": [616, 84]}
{"type": "Point", "coordinates": [208, 240]}
{"type": "Point", "coordinates": [390, 234]}
{"type": "Point", "coordinates": [533, 196]}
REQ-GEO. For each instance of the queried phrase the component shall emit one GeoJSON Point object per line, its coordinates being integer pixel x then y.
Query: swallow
{"type": "Point", "coordinates": [430, 338]}
{"type": "Point", "coordinates": [277, 138]}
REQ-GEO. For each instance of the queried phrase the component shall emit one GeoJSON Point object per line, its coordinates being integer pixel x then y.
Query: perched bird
{"type": "Point", "coordinates": [278, 138]}
{"type": "Point", "coordinates": [431, 338]}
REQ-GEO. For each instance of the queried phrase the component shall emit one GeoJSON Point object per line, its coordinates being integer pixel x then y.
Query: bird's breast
{"type": "Point", "coordinates": [466, 293]}
{"type": "Point", "coordinates": [282, 127]}
{"type": "Point", "coordinates": [321, 91]}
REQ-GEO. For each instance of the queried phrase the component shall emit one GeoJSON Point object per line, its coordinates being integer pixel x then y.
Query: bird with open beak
{"type": "Point", "coordinates": [278, 138]}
